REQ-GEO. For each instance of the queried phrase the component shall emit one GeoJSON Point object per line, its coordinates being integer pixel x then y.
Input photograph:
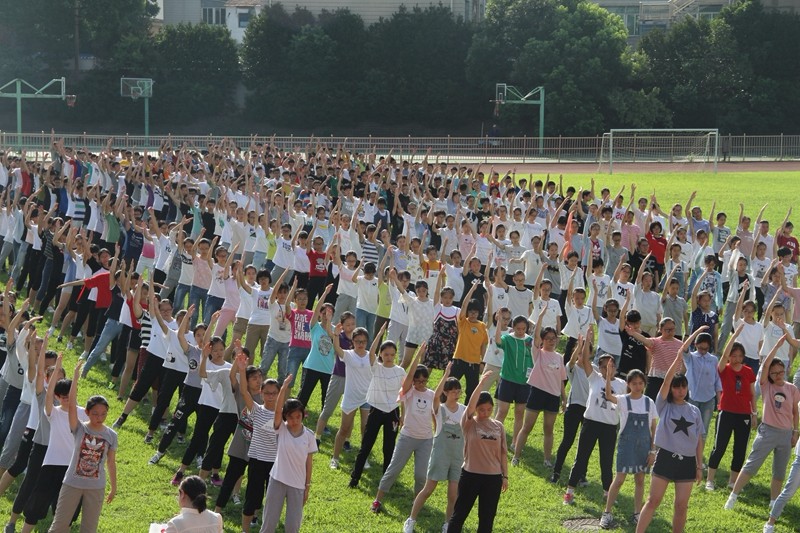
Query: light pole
{"type": "Point", "coordinates": [20, 87]}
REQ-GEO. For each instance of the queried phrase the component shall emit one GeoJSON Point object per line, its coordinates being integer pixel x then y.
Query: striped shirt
{"type": "Point", "coordinates": [369, 253]}
{"type": "Point", "coordinates": [264, 444]}
{"type": "Point", "coordinates": [146, 322]}
{"type": "Point", "coordinates": [663, 354]}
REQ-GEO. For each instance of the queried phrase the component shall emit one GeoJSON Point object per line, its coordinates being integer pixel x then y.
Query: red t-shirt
{"type": "Point", "coordinates": [100, 282]}
{"type": "Point", "coordinates": [318, 268]}
{"type": "Point", "coordinates": [736, 397]}
{"type": "Point", "coordinates": [791, 243]}
{"type": "Point", "coordinates": [658, 247]}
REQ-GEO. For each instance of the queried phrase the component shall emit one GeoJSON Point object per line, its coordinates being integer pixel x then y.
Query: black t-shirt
{"type": "Point", "coordinates": [480, 291]}
{"type": "Point", "coordinates": [117, 301]}
{"type": "Point", "coordinates": [634, 353]}
{"type": "Point", "coordinates": [209, 223]}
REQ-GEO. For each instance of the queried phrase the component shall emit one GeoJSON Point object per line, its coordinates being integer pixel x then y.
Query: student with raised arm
{"type": "Point", "coordinates": [579, 368]}
{"type": "Point", "coordinates": [673, 305]}
{"type": "Point", "coordinates": [703, 313]}
{"type": "Point", "coordinates": [95, 453]}
{"type": "Point", "coordinates": [546, 391]}
{"type": "Point", "coordinates": [385, 379]}
{"type": "Point", "coordinates": [646, 300]}
{"type": "Point", "coordinates": [513, 387]}
{"type": "Point", "coordinates": [679, 440]}
{"type": "Point", "coordinates": [606, 318]}
{"type": "Point", "coordinates": [290, 477]}
{"type": "Point", "coordinates": [778, 432]}
{"type": "Point", "coordinates": [447, 454]}
{"type": "Point", "coordinates": [318, 366]}
{"type": "Point", "coordinates": [484, 475]}
{"type": "Point", "coordinates": [416, 435]}
{"type": "Point", "coordinates": [472, 342]}
{"type": "Point", "coordinates": [737, 409]}
{"type": "Point", "coordinates": [635, 447]}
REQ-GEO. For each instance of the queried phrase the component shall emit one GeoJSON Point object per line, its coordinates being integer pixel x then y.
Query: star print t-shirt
{"type": "Point", "coordinates": [87, 468]}
{"type": "Point", "coordinates": [418, 409]}
{"type": "Point", "coordinates": [778, 404]}
{"type": "Point", "coordinates": [679, 427]}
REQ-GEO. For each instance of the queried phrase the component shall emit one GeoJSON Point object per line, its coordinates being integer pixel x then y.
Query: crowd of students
{"type": "Point", "coordinates": [204, 272]}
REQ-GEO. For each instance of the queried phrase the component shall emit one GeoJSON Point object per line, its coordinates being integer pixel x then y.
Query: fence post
{"type": "Point", "coordinates": [744, 147]}
{"type": "Point", "coordinates": [559, 148]}
{"type": "Point", "coordinates": [486, 149]}
{"type": "Point", "coordinates": [448, 149]}
{"type": "Point", "coordinates": [780, 154]}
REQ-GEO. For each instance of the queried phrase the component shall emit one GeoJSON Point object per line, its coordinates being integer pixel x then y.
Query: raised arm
{"type": "Point", "coordinates": [437, 394]}
{"type": "Point", "coordinates": [768, 361]}
{"type": "Point", "coordinates": [282, 398]}
{"type": "Point", "coordinates": [376, 342]}
{"type": "Point", "coordinates": [72, 403]}
{"type": "Point", "coordinates": [408, 381]}
{"type": "Point", "coordinates": [678, 362]}
{"type": "Point", "coordinates": [723, 360]}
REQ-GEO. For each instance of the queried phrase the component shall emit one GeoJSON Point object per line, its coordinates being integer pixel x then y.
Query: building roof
{"type": "Point", "coordinates": [244, 3]}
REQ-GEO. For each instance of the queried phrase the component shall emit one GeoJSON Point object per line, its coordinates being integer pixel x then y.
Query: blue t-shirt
{"type": "Point", "coordinates": [679, 427]}
{"type": "Point", "coordinates": [321, 357]}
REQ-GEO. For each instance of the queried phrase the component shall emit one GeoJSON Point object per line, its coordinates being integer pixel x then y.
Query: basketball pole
{"type": "Point", "coordinates": [508, 94]}
{"type": "Point", "coordinates": [147, 120]}
{"type": "Point", "coordinates": [19, 84]}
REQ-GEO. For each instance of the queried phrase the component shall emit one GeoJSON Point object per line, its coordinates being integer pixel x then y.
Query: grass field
{"type": "Point", "coordinates": [531, 504]}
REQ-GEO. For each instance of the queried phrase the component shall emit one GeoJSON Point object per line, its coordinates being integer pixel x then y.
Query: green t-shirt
{"type": "Point", "coordinates": [112, 223]}
{"type": "Point", "coordinates": [517, 360]}
{"type": "Point", "coordinates": [272, 246]}
{"type": "Point", "coordinates": [384, 300]}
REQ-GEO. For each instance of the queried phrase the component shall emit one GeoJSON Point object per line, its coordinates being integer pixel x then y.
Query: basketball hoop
{"type": "Point", "coordinates": [70, 98]}
{"type": "Point", "coordinates": [136, 92]}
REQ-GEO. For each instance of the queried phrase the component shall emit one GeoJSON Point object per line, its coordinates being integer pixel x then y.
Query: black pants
{"type": "Point", "coordinates": [309, 383]}
{"type": "Point", "coordinates": [257, 482]}
{"type": "Point", "coordinates": [24, 452]}
{"type": "Point", "coordinates": [315, 288]}
{"type": "Point", "coordinates": [9, 407]}
{"type": "Point", "coordinates": [206, 415]}
{"type": "Point", "coordinates": [571, 344]}
{"type": "Point", "coordinates": [45, 493]}
{"type": "Point", "coordinates": [34, 467]}
{"type": "Point", "coordinates": [653, 387]}
{"type": "Point", "coordinates": [486, 489]}
{"type": "Point", "coordinates": [573, 418]}
{"type": "Point", "coordinates": [84, 308]}
{"type": "Point", "coordinates": [236, 469]}
{"type": "Point", "coordinates": [760, 301]}
{"type": "Point", "coordinates": [224, 426]}
{"type": "Point", "coordinates": [159, 276]}
{"type": "Point", "coordinates": [187, 404]}
{"type": "Point", "coordinates": [377, 419]}
{"type": "Point", "coordinates": [562, 302]}
{"type": "Point", "coordinates": [471, 371]}
{"type": "Point", "coordinates": [728, 423]}
{"type": "Point", "coordinates": [151, 370]}
{"type": "Point", "coordinates": [594, 433]}
{"type": "Point", "coordinates": [119, 351]}
{"type": "Point", "coordinates": [56, 278]}
{"type": "Point", "coordinates": [171, 380]}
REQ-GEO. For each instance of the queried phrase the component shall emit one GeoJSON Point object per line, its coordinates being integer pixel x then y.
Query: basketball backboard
{"type": "Point", "coordinates": [136, 88]}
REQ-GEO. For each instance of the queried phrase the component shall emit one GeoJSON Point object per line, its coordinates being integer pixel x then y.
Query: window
{"type": "Point", "coordinates": [244, 18]}
{"type": "Point", "coordinates": [709, 11]}
{"type": "Point", "coordinates": [629, 15]}
{"type": "Point", "coordinates": [214, 15]}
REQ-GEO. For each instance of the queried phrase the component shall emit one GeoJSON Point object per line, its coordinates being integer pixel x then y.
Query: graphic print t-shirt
{"type": "Point", "coordinates": [87, 468]}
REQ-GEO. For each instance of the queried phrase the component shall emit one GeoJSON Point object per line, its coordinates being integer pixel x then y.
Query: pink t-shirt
{"type": "Point", "coordinates": [301, 330]}
{"type": "Point", "coordinates": [664, 353]}
{"type": "Point", "coordinates": [779, 403]}
{"type": "Point", "coordinates": [201, 274]}
{"type": "Point", "coordinates": [148, 250]}
{"type": "Point", "coordinates": [548, 373]}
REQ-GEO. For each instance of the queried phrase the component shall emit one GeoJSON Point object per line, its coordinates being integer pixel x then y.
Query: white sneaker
{"type": "Point", "coordinates": [710, 486]}
{"type": "Point", "coordinates": [731, 502]}
{"type": "Point", "coordinates": [408, 525]}
{"type": "Point", "coordinates": [69, 345]}
{"type": "Point", "coordinates": [334, 463]}
{"type": "Point", "coordinates": [769, 528]}
{"type": "Point", "coordinates": [367, 466]}
{"type": "Point", "coordinates": [156, 458]}
{"type": "Point", "coordinates": [606, 521]}
{"type": "Point", "coordinates": [51, 330]}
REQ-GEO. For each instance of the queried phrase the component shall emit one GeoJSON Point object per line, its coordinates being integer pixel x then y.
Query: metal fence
{"type": "Point", "coordinates": [448, 149]}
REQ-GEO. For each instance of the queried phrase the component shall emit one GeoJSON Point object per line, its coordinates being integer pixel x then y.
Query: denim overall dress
{"type": "Point", "coordinates": [634, 441]}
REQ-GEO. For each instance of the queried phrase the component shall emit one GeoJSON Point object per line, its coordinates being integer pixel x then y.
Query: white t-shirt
{"type": "Point", "coordinates": [598, 408]}
{"type": "Point", "coordinates": [608, 339]}
{"type": "Point", "coordinates": [566, 275]}
{"type": "Point", "coordinates": [357, 379]}
{"type": "Point", "coordinates": [280, 327]}
{"type": "Point", "coordinates": [208, 396]}
{"type": "Point", "coordinates": [260, 315]}
{"type": "Point", "coordinates": [619, 291]}
{"type": "Point", "coordinates": [284, 254]}
{"type": "Point", "coordinates": [346, 285]}
{"type": "Point", "coordinates": [399, 312]}
{"type": "Point", "coordinates": [217, 287]}
{"type": "Point", "coordinates": [290, 462]}
{"type": "Point", "coordinates": [603, 283]}
{"type": "Point", "coordinates": [385, 386]}
{"type": "Point", "coordinates": [62, 441]}
{"type": "Point", "coordinates": [772, 334]}
{"type": "Point", "coordinates": [367, 299]}
{"type": "Point", "coordinates": [578, 320]}
{"type": "Point", "coordinates": [750, 336]}
{"type": "Point", "coordinates": [519, 301]}
{"type": "Point", "coordinates": [648, 304]}
{"type": "Point", "coordinates": [454, 280]}
{"type": "Point", "coordinates": [533, 264]}
{"type": "Point", "coordinates": [553, 312]}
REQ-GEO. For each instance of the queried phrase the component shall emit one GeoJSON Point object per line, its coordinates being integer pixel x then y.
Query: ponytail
{"type": "Point", "coordinates": [195, 489]}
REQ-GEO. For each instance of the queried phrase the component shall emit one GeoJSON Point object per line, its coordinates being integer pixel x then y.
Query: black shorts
{"type": "Point", "coordinates": [510, 392]}
{"type": "Point", "coordinates": [412, 345]}
{"type": "Point", "coordinates": [673, 467]}
{"type": "Point", "coordinates": [135, 341]}
{"type": "Point", "coordinates": [539, 400]}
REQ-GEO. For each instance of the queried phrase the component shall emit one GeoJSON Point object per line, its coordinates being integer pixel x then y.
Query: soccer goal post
{"type": "Point", "coordinates": [695, 148]}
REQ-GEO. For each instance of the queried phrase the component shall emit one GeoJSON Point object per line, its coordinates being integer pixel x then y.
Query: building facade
{"type": "Point", "coordinates": [236, 14]}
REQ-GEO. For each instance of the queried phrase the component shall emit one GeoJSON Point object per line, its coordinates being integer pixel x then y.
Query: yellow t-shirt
{"type": "Point", "coordinates": [471, 337]}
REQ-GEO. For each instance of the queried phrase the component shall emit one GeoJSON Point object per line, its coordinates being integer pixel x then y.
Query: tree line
{"type": "Point", "coordinates": [421, 70]}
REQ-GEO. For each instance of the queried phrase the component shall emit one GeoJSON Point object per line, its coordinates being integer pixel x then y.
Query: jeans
{"type": "Point", "coordinates": [366, 320]}
{"type": "Point", "coordinates": [792, 483]}
{"type": "Point", "coordinates": [706, 412]}
{"type": "Point", "coordinates": [10, 404]}
{"type": "Point", "coordinates": [5, 252]}
{"type": "Point", "coordinates": [297, 356]}
{"type": "Point", "coordinates": [271, 349]}
{"type": "Point", "coordinates": [20, 251]}
{"type": "Point", "coordinates": [45, 283]}
{"type": "Point", "coordinates": [259, 258]}
{"type": "Point", "coordinates": [180, 295]}
{"type": "Point", "coordinates": [110, 332]}
{"type": "Point", "coordinates": [197, 298]}
{"type": "Point", "coordinates": [212, 305]}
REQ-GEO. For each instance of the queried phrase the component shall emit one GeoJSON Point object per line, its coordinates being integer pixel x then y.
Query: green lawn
{"type": "Point", "coordinates": [531, 504]}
